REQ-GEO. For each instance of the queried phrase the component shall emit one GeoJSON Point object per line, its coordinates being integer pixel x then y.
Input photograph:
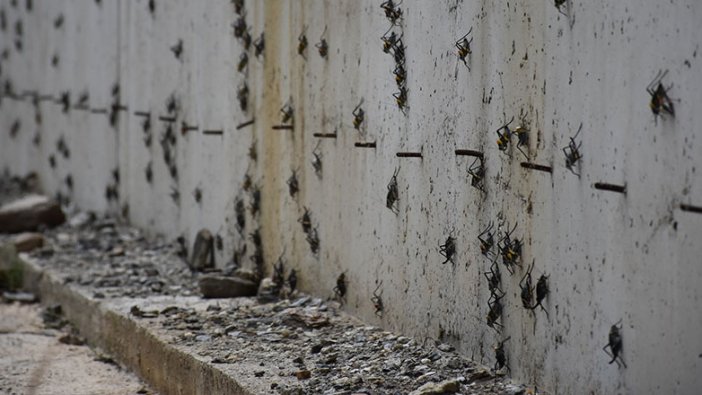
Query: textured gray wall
{"type": "Point", "coordinates": [610, 256]}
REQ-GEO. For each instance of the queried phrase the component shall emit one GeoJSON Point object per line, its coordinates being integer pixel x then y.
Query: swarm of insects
{"type": "Point", "coordinates": [615, 345]}
{"type": "Point", "coordinates": [259, 45]}
{"type": "Point", "coordinates": [500, 358]}
{"type": "Point", "coordinates": [242, 95]}
{"type": "Point", "coordinates": [358, 116]}
{"type": "Point", "coordinates": [572, 153]}
{"type": "Point", "coordinates": [177, 49]}
{"type": "Point", "coordinates": [393, 194]}
{"type": "Point", "coordinates": [322, 46]}
{"type": "Point", "coordinates": [463, 46]}
{"type": "Point", "coordinates": [302, 42]}
{"type": "Point", "coordinates": [293, 187]}
{"type": "Point", "coordinates": [448, 250]}
{"type": "Point", "coordinates": [340, 288]}
{"type": "Point", "coordinates": [487, 240]}
{"type": "Point", "coordinates": [660, 101]}
{"type": "Point", "coordinates": [377, 301]}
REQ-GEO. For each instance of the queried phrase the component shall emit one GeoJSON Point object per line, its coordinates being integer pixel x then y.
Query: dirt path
{"type": "Point", "coordinates": [33, 361]}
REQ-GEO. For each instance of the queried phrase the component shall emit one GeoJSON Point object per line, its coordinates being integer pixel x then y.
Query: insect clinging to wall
{"type": "Point", "coordinates": [177, 49]}
{"type": "Point", "coordinates": [477, 173]}
{"type": "Point", "coordinates": [510, 250]}
{"type": "Point", "coordinates": [572, 153]}
{"type": "Point", "coordinates": [493, 278]}
{"type": "Point", "coordinates": [238, 6]}
{"type": "Point", "coordinates": [660, 101]}
{"type": "Point", "coordinates": [317, 161]}
{"type": "Point", "coordinates": [448, 249]}
{"type": "Point", "coordinates": [240, 214]}
{"type": "Point", "coordinates": [393, 194]}
{"type": "Point", "coordinates": [302, 42]}
{"type": "Point", "coordinates": [487, 240]}
{"type": "Point", "coordinates": [495, 312]}
{"type": "Point", "coordinates": [340, 288]}
{"type": "Point", "coordinates": [313, 240]}
{"type": "Point", "coordinates": [401, 98]}
{"type": "Point", "coordinates": [243, 62]}
{"type": "Point", "coordinates": [292, 280]}
{"type": "Point", "coordinates": [255, 200]}
{"type": "Point", "coordinates": [278, 276]}
{"type": "Point", "coordinates": [242, 95]}
{"type": "Point", "coordinates": [389, 40]}
{"type": "Point", "coordinates": [358, 116]}
{"type": "Point", "coordinates": [559, 4]}
{"type": "Point", "coordinates": [239, 26]}
{"type": "Point", "coordinates": [615, 345]}
{"type": "Point", "coordinates": [197, 195]}
{"type": "Point", "coordinates": [527, 290]}
{"type": "Point", "coordinates": [246, 39]}
{"type": "Point", "coordinates": [377, 301]}
{"type": "Point", "coordinates": [293, 186]}
{"type": "Point", "coordinates": [288, 112]}
{"type": "Point", "coordinates": [305, 221]}
{"type": "Point", "coordinates": [503, 139]}
{"type": "Point", "coordinates": [152, 7]}
{"type": "Point", "coordinates": [259, 45]}
{"type": "Point", "coordinates": [463, 46]}
{"type": "Point", "coordinates": [392, 12]}
{"type": "Point", "coordinates": [148, 172]}
{"type": "Point", "coordinates": [400, 75]}
{"type": "Point", "coordinates": [398, 51]}
{"type": "Point", "coordinates": [322, 46]}
{"type": "Point", "coordinates": [541, 293]}
{"type": "Point", "coordinates": [500, 357]}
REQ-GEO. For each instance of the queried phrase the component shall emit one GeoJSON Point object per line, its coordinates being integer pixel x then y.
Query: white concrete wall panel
{"type": "Point", "coordinates": [632, 257]}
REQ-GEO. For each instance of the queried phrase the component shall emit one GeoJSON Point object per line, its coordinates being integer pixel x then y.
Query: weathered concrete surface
{"type": "Point", "coordinates": [633, 257]}
{"type": "Point", "coordinates": [33, 361]}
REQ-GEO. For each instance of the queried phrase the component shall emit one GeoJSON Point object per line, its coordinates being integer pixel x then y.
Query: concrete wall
{"type": "Point", "coordinates": [632, 257]}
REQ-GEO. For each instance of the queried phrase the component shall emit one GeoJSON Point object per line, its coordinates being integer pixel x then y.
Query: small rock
{"type": "Point", "coordinates": [116, 251]}
{"type": "Point", "coordinates": [72, 340]}
{"type": "Point", "coordinates": [303, 374]}
{"type": "Point", "coordinates": [203, 251]}
{"type": "Point", "coordinates": [215, 286]}
{"type": "Point", "coordinates": [479, 375]}
{"type": "Point", "coordinates": [444, 387]}
{"type": "Point", "coordinates": [27, 213]}
{"type": "Point", "coordinates": [445, 347]}
{"type": "Point", "coordinates": [27, 241]}
{"type": "Point", "coordinates": [21, 297]}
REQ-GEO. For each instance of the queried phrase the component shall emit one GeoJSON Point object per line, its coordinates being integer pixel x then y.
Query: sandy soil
{"type": "Point", "coordinates": [33, 361]}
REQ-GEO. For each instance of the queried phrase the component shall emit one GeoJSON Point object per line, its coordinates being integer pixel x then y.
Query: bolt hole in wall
{"type": "Point", "coordinates": [518, 179]}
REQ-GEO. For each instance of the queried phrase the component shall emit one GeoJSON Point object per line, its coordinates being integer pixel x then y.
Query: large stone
{"type": "Point", "coordinates": [28, 213]}
{"type": "Point", "coordinates": [28, 241]}
{"type": "Point", "coordinates": [203, 251]}
{"type": "Point", "coordinates": [216, 286]}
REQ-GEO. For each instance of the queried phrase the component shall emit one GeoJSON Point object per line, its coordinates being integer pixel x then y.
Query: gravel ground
{"type": "Point", "coordinates": [33, 360]}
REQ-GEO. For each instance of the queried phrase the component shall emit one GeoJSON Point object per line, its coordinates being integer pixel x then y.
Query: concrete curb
{"type": "Point", "coordinates": [166, 368]}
